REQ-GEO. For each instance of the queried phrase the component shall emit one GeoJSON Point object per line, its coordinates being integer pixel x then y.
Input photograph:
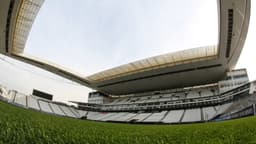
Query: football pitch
{"type": "Point", "coordinates": [18, 125]}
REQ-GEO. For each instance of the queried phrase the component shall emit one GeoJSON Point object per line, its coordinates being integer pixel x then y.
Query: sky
{"type": "Point", "coordinates": [89, 36]}
{"type": "Point", "coordinates": [24, 78]}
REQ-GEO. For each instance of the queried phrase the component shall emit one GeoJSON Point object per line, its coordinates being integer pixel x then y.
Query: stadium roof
{"type": "Point", "coordinates": [166, 60]}
{"type": "Point", "coordinates": [184, 68]}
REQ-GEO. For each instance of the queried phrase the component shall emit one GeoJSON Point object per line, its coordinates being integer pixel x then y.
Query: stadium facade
{"type": "Point", "coordinates": [194, 85]}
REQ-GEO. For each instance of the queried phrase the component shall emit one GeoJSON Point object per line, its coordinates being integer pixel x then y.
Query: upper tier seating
{"type": "Point", "coordinates": [206, 92]}
{"type": "Point", "coordinates": [168, 96]}
{"type": "Point", "coordinates": [193, 94]}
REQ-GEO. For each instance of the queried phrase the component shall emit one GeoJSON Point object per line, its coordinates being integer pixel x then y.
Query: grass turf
{"type": "Point", "coordinates": [18, 125]}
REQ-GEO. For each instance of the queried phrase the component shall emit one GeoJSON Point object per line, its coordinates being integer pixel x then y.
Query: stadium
{"type": "Point", "coordinates": [196, 85]}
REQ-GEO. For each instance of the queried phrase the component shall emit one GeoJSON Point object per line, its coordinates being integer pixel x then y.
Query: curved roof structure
{"type": "Point", "coordinates": [184, 68]}
{"type": "Point", "coordinates": [161, 61]}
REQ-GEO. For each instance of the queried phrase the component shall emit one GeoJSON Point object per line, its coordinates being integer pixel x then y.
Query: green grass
{"type": "Point", "coordinates": [19, 125]}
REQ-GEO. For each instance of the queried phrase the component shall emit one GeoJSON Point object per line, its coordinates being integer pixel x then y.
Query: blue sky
{"type": "Point", "coordinates": [90, 36]}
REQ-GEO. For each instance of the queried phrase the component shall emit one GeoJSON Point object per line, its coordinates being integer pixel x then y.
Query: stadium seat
{"type": "Point", "coordinates": [140, 117]}
{"type": "Point", "coordinates": [107, 116]}
{"type": "Point", "coordinates": [93, 115]}
{"type": "Point", "coordinates": [156, 117]}
{"type": "Point", "coordinates": [116, 116]}
{"type": "Point", "coordinates": [32, 103]}
{"type": "Point", "coordinates": [21, 99]}
{"type": "Point", "coordinates": [173, 116]}
{"type": "Point", "coordinates": [206, 92]}
{"type": "Point", "coordinates": [193, 94]}
{"type": "Point", "coordinates": [44, 106]}
{"type": "Point", "coordinates": [67, 111]}
{"type": "Point", "coordinates": [82, 113]}
{"type": "Point", "coordinates": [56, 109]}
{"type": "Point", "coordinates": [209, 113]}
{"type": "Point", "coordinates": [192, 115]}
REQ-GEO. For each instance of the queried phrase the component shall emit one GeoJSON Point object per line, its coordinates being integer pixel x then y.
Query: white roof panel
{"type": "Point", "coordinates": [170, 59]}
{"type": "Point", "coordinates": [25, 18]}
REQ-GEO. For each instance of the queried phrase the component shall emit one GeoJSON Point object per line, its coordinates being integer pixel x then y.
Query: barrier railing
{"type": "Point", "coordinates": [226, 97]}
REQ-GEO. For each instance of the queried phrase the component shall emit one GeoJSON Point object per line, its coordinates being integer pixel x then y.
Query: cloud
{"type": "Point", "coordinates": [91, 36]}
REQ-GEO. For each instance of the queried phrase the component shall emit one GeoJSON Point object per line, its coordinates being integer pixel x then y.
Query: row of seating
{"type": "Point", "coordinates": [44, 105]}
{"type": "Point", "coordinates": [203, 92]}
{"type": "Point", "coordinates": [171, 116]}
{"type": "Point", "coordinates": [165, 116]}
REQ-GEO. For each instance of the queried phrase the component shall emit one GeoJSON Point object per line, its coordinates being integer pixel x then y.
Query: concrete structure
{"type": "Point", "coordinates": [233, 79]}
{"type": "Point", "coordinates": [98, 98]}
{"type": "Point", "coordinates": [173, 70]}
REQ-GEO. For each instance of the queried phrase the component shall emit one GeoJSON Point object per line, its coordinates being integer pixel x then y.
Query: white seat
{"type": "Point", "coordinates": [56, 109]}
{"type": "Point", "coordinates": [45, 106]}
{"type": "Point", "coordinates": [193, 94]}
{"type": "Point", "coordinates": [67, 111]}
{"type": "Point", "coordinates": [116, 116]}
{"type": "Point", "coordinates": [192, 115]}
{"type": "Point", "coordinates": [32, 103]}
{"type": "Point", "coordinates": [173, 116]}
{"type": "Point", "coordinates": [206, 92]}
{"type": "Point", "coordinates": [93, 115]}
{"type": "Point", "coordinates": [82, 113]}
{"type": "Point", "coordinates": [156, 117]}
{"type": "Point", "coordinates": [140, 117]}
{"type": "Point", "coordinates": [20, 99]}
{"type": "Point", "coordinates": [209, 113]}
